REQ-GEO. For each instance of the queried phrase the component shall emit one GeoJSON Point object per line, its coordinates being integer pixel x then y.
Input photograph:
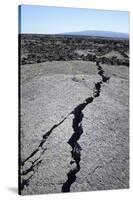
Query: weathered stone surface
{"type": "Point", "coordinates": [74, 118]}
{"type": "Point", "coordinates": [41, 48]}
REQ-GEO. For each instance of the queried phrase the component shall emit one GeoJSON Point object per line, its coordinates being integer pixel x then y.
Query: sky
{"type": "Point", "coordinates": [53, 20]}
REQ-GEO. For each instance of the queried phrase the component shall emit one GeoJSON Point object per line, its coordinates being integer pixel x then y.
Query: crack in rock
{"type": "Point", "coordinates": [76, 149]}
{"type": "Point", "coordinates": [78, 130]}
{"type": "Point", "coordinates": [31, 163]}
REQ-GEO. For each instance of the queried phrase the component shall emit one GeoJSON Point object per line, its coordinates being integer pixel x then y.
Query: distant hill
{"type": "Point", "coordinates": [99, 34]}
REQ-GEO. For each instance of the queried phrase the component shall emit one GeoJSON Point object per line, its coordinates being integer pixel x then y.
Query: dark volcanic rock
{"type": "Point", "coordinates": [42, 48]}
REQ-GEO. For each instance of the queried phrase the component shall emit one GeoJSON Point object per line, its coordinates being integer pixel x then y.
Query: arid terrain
{"type": "Point", "coordinates": [74, 114]}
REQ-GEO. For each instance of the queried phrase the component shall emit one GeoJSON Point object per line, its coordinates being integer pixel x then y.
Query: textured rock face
{"type": "Point", "coordinates": [74, 127]}
{"type": "Point", "coordinates": [74, 114]}
{"type": "Point", "coordinates": [42, 48]}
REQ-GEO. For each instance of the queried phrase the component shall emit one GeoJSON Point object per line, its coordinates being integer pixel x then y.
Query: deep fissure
{"type": "Point", "coordinates": [78, 130]}
{"type": "Point", "coordinates": [73, 141]}
{"type": "Point", "coordinates": [76, 148]}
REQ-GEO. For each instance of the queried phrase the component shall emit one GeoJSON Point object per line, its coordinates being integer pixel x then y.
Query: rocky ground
{"type": "Point", "coordinates": [42, 48]}
{"type": "Point", "coordinates": [74, 125]}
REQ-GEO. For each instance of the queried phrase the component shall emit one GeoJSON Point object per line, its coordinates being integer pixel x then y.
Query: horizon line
{"type": "Point", "coordinates": [73, 32]}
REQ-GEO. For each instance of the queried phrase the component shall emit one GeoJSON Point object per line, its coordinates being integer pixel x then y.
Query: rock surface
{"type": "Point", "coordinates": [74, 127]}
{"type": "Point", "coordinates": [41, 48]}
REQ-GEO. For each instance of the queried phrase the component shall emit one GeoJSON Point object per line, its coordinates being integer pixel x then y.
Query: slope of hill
{"type": "Point", "coordinates": [100, 34]}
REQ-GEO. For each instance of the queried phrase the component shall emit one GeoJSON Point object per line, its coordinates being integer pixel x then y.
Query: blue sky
{"type": "Point", "coordinates": [52, 20]}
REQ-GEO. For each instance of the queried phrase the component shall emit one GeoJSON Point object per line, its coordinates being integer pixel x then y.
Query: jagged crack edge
{"type": "Point", "coordinates": [78, 130]}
